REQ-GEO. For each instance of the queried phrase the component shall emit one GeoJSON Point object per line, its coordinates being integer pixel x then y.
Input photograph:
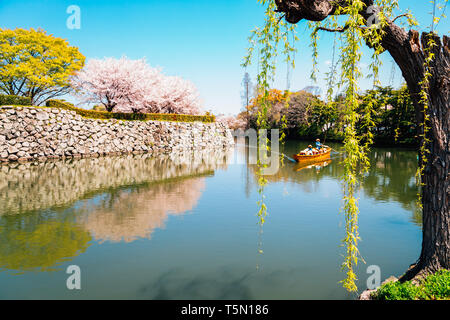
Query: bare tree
{"type": "Point", "coordinates": [247, 89]}
{"type": "Point", "coordinates": [247, 92]}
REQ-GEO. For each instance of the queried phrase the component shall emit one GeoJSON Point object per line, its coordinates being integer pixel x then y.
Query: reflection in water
{"type": "Point", "coordinates": [176, 284]}
{"type": "Point", "coordinates": [50, 211]}
{"type": "Point", "coordinates": [233, 283]}
{"type": "Point", "coordinates": [37, 186]}
{"type": "Point", "coordinates": [315, 165]}
{"type": "Point", "coordinates": [127, 215]}
{"type": "Point", "coordinates": [390, 178]}
{"type": "Point", "coordinates": [39, 243]}
{"type": "Point", "coordinates": [100, 213]}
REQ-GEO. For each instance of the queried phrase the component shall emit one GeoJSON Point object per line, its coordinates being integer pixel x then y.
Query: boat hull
{"type": "Point", "coordinates": [312, 158]}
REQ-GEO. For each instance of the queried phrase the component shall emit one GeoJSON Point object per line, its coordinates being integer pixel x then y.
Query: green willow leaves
{"type": "Point", "coordinates": [352, 32]}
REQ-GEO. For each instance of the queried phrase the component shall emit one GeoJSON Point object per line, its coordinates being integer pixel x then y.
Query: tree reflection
{"type": "Point", "coordinates": [38, 242]}
{"type": "Point", "coordinates": [50, 211]}
{"type": "Point", "coordinates": [391, 177]}
{"type": "Point", "coordinates": [126, 215]}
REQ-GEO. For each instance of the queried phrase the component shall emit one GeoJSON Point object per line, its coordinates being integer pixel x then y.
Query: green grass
{"type": "Point", "coordinates": [434, 287]}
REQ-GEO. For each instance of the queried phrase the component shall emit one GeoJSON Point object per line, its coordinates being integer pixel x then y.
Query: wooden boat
{"type": "Point", "coordinates": [313, 158]}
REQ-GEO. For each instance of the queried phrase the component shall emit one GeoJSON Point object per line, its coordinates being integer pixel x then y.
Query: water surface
{"type": "Point", "coordinates": [185, 227]}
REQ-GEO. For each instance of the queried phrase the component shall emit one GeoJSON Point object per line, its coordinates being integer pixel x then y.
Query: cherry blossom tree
{"type": "Point", "coordinates": [233, 122]}
{"type": "Point", "coordinates": [125, 85]}
{"type": "Point", "coordinates": [173, 95]}
{"type": "Point", "coordinates": [118, 84]}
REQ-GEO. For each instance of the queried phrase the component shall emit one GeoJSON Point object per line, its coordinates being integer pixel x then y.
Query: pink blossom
{"type": "Point", "coordinates": [125, 85]}
{"type": "Point", "coordinates": [234, 123]}
{"type": "Point", "coordinates": [173, 95]}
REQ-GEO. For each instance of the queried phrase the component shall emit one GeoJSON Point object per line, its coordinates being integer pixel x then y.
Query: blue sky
{"type": "Point", "coordinates": [201, 40]}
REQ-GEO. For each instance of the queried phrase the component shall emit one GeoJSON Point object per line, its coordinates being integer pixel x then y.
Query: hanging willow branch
{"type": "Point", "coordinates": [353, 34]}
{"type": "Point", "coordinates": [267, 41]}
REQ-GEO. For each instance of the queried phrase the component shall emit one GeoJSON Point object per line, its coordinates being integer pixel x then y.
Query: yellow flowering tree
{"type": "Point", "coordinates": [36, 65]}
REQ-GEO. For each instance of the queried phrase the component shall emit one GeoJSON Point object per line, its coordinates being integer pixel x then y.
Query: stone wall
{"type": "Point", "coordinates": [28, 133]}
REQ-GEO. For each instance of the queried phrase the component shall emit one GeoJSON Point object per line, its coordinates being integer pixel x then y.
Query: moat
{"type": "Point", "coordinates": [142, 227]}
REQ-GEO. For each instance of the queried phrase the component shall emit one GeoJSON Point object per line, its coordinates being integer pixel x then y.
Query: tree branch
{"type": "Point", "coordinates": [402, 15]}
{"type": "Point", "coordinates": [342, 29]}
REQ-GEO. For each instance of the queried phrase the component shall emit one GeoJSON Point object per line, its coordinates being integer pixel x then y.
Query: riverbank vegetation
{"type": "Point", "coordinates": [433, 287]}
{"type": "Point", "coordinates": [307, 116]}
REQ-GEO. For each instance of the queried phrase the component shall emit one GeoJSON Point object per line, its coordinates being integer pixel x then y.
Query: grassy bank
{"type": "Point", "coordinates": [433, 287]}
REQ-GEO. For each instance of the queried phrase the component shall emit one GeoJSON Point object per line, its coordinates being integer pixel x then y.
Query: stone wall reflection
{"type": "Point", "coordinates": [38, 186]}
{"type": "Point", "coordinates": [50, 212]}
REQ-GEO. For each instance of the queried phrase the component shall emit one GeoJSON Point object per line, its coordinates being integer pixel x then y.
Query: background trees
{"type": "Point", "coordinates": [36, 65]}
{"type": "Point", "coordinates": [42, 67]}
{"type": "Point", "coordinates": [125, 85]}
{"type": "Point", "coordinates": [307, 116]}
{"type": "Point", "coordinates": [393, 115]}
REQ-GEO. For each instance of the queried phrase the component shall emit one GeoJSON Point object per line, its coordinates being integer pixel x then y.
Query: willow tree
{"type": "Point", "coordinates": [425, 63]}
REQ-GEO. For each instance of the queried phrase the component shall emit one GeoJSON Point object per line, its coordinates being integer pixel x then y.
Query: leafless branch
{"type": "Point", "coordinates": [402, 15]}
{"type": "Point", "coordinates": [342, 29]}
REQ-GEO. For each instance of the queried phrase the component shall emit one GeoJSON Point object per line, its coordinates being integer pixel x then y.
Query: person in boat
{"type": "Point", "coordinates": [308, 151]}
{"type": "Point", "coordinates": [319, 145]}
